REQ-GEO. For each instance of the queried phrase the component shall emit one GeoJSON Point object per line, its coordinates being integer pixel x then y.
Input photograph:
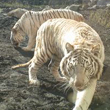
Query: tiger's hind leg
{"type": "Point", "coordinates": [38, 60]}
{"type": "Point", "coordinates": [54, 66]}
{"type": "Point", "coordinates": [33, 69]}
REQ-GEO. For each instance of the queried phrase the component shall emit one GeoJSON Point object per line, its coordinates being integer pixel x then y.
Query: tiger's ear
{"type": "Point", "coordinates": [69, 47]}
{"type": "Point", "coordinates": [96, 50]}
{"type": "Point", "coordinates": [14, 30]}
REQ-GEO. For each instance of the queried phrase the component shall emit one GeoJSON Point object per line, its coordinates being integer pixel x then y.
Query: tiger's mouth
{"type": "Point", "coordinates": [80, 87]}
{"type": "Point", "coordinates": [15, 43]}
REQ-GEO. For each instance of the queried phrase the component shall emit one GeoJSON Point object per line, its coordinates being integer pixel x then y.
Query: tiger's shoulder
{"type": "Point", "coordinates": [83, 34]}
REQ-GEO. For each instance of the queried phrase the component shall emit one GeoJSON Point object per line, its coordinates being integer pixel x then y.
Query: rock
{"type": "Point", "coordinates": [17, 94]}
{"type": "Point", "coordinates": [74, 7]}
{"type": "Point", "coordinates": [3, 107]}
{"type": "Point", "coordinates": [103, 2]}
{"type": "Point", "coordinates": [47, 8]}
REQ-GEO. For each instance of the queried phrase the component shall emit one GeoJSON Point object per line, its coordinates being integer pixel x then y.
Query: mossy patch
{"type": "Point", "coordinates": [1, 10]}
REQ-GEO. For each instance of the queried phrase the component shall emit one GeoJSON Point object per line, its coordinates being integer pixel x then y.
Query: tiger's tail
{"type": "Point", "coordinates": [21, 65]}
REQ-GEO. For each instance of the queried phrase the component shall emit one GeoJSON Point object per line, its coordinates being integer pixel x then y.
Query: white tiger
{"type": "Point", "coordinates": [29, 23]}
{"type": "Point", "coordinates": [77, 49]}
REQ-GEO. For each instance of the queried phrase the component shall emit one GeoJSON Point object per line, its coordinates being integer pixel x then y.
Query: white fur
{"type": "Point", "coordinates": [73, 46]}
{"type": "Point", "coordinates": [31, 21]}
{"type": "Point", "coordinates": [17, 12]}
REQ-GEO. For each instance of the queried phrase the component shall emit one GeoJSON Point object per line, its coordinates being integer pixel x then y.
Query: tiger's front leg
{"type": "Point", "coordinates": [84, 97]}
{"type": "Point", "coordinates": [54, 66]}
{"type": "Point", "coordinates": [31, 44]}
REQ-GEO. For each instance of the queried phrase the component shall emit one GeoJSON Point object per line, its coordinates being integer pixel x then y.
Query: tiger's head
{"type": "Point", "coordinates": [79, 66]}
{"type": "Point", "coordinates": [17, 35]}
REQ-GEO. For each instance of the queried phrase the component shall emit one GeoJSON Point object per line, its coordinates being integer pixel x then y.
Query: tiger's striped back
{"type": "Point", "coordinates": [30, 22]}
{"type": "Point", "coordinates": [43, 16]}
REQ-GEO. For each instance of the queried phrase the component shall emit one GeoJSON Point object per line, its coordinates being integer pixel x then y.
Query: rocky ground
{"type": "Point", "coordinates": [17, 94]}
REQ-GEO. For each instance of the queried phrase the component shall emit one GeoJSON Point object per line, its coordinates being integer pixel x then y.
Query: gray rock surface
{"type": "Point", "coordinates": [17, 94]}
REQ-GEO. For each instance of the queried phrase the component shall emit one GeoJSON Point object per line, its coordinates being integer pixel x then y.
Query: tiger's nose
{"type": "Point", "coordinates": [14, 42]}
{"type": "Point", "coordinates": [78, 84]}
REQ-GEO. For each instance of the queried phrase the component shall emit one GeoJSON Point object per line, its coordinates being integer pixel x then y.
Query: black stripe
{"type": "Point", "coordinates": [54, 14]}
{"type": "Point", "coordinates": [46, 35]}
{"type": "Point", "coordinates": [66, 12]}
{"type": "Point", "coordinates": [39, 19]}
{"type": "Point", "coordinates": [63, 14]}
{"type": "Point", "coordinates": [50, 14]}
{"type": "Point", "coordinates": [30, 30]}
{"type": "Point", "coordinates": [40, 56]}
{"type": "Point", "coordinates": [36, 18]}
{"type": "Point", "coordinates": [40, 59]}
{"type": "Point", "coordinates": [43, 16]}
{"type": "Point", "coordinates": [59, 14]}
{"type": "Point", "coordinates": [69, 12]}
{"type": "Point", "coordinates": [29, 20]}
{"type": "Point", "coordinates": [31, 17]}
{"type": "Point", "coordinates": [21, 28]}
{"type": "Point", "coordinates": [47, 15]}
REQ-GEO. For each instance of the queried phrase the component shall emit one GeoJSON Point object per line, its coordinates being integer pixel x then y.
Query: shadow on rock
{"type": "Point", "coordinates": [25, 53]}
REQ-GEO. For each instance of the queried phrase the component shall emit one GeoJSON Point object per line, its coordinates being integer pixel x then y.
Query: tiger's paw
{"type": "Point", "coordinates": [26, 49]}
{"type": "Point", "coordinates": [34, 82]}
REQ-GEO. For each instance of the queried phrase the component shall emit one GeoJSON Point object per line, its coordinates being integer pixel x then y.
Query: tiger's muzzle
{"type": "Point", "coordinates": [77, 84]}
{"type": "Point", "coordinates": [15, 43]}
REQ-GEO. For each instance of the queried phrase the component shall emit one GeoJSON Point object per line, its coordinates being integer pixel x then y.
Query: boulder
{"type": "Point", "coordinates": [103, 2]}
